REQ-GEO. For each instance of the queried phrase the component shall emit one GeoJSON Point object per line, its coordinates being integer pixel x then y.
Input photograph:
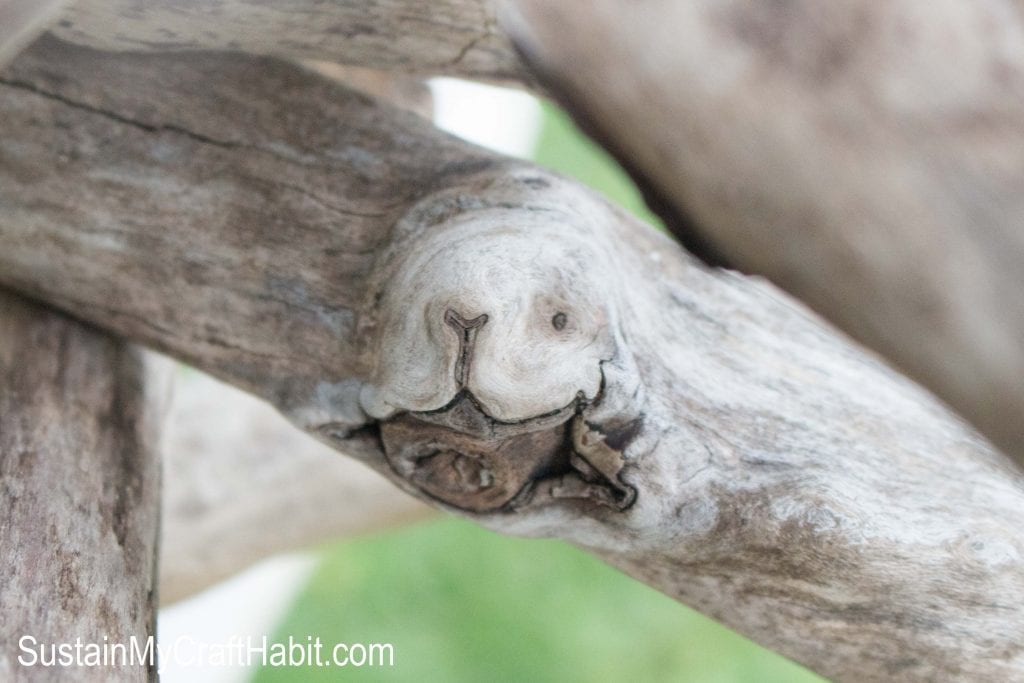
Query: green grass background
{"type": "Point", "coordinates": [462, 604]}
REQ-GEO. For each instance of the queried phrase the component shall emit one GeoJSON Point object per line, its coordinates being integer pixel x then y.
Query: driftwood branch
{"type": "Point", "coordinates": [442, 37]}
{"type": "Point", "coordinates": [79, 495]}
{"type": "Point", "coordinates": [896, 218]}
{"type": "Point", "coordinates": [868, 157]}
{"type": "Point", "coordinates": [242, 484]}
{"type": "Point", "coordinates": [503, 343]}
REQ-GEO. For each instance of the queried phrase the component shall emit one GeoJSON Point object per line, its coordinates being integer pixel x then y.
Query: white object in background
{"type": "Point", "coordinates": [249, 604]}
{"type": "Point", "coordinates": [501, 119]}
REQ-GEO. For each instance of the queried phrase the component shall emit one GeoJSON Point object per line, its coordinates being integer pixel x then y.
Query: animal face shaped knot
{"type": "Point", "coordinates": [490, 356]}
{"type": "Point", "coordinates": [517, 317]}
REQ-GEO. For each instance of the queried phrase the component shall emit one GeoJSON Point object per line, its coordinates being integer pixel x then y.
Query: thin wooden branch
{"type": "Point", "coordinates": [242, 484]}
{"type": "Point", "coordinates": [868, 157]}
{"type": "Point", "coordinates": [503, 343]}
{"type": "Point", "coordinates": [79, 498]}
{"type": "Point", "coordinates": [442, 37]}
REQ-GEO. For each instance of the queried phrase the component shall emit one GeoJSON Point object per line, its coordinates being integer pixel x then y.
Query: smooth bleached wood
{"type": "Point", "coordinates": [503, 343]}
{"type": "Point", "coordinates": [868, 157]}
{"type": "Point", "coordinates": [79, 495]}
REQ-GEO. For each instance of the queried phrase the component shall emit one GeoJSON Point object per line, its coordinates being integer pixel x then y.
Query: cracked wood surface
{"type": "Point", "coordinates": [79, 490]}
{"type": "Point", "coordinates": [442, 37]}
{"type": "Point", "coordinates": [695, 428]}
{"type": "Point", "coordinates": [867, 157]}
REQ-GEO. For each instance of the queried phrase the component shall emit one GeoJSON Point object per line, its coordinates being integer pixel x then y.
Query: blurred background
{"type": "Point", "coordinates": [459, 603]}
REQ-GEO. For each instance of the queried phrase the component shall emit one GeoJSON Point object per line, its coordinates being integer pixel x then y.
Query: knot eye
{"type": "Point", "coordinates": [559, 320]}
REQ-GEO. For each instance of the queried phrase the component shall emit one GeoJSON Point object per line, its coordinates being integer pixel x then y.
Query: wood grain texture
{"type": "Point", "coordinates": [867, 157]}
{"type": "Point", "coordinates": [79, 493]}
{"type": "Point", "coordinates": [443, 37]}
{"type": "Point", "coordinates": [364, 272]}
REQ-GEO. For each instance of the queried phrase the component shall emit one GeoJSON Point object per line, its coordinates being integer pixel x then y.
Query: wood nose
{"type": "Point", "coordinates": [467, 330]}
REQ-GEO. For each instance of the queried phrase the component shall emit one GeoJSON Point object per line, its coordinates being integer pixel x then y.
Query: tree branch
{"type": "Point", "coordinates": [504, 344]}
{"type": "Point", "coordinates": [79, 492]}
{"type": "Point", "coordinates": [867, 157]}
{"type": "Point", "coordinates": [444, 37]}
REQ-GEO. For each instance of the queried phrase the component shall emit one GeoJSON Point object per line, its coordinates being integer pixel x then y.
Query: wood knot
{"type": "Point", "coordinates": [506, 470]}
{"type": "Point", "coordinates": [468, 472]}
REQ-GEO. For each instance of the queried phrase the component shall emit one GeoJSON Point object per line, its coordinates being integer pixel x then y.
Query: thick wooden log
{"type": "Point", "coordinates": [443, 37]}
{"type": "Point", "coordinates": [503, 343]}
{"type": "Point", "coordinates": [868, 157]}
{"type": "Point", "coordinates": [79, 500]}
{"type": "Point", "coordinates": [241, 484]}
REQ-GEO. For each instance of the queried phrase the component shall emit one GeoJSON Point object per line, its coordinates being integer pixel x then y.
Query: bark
{"type": "Point", "coordinates": [242, 484]}
{"type": "Point", "coordinates": [79, 493]}
{"type": "Point", "coordinates": [867, 157]}
{"type": "Point", "coordinates": [443, 37]}
{"type": "Point", "coordinates": [503, 343]}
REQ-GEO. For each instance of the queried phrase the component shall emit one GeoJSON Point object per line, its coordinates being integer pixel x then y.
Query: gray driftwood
{"type": "Point", "coordinates": [867, 156]}
{"type": "Point", "coordinates": [441, 37]}
{"type": "Point", "coordinates": [79, 494]}
{"type": "Point", "coordinates": [242, 484]}
{"type": "Point", "coordinates": [504, 344]}
{"type": "Point", "coordinates": [863, 155]}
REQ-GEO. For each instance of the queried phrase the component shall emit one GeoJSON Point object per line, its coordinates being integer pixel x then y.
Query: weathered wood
{"type": "Point", "coordinates": [442, 37]}
{"type": "Point", "coordinates": [281, 186]}
{"type": "Point", "coordinates": [363, 272]}
{"type": "Point", "coordinates": [79, 496]}
{"type": "Point", "coordinates": [242, 484]}
{"type": "Point", "coordinates": [866, 156]}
